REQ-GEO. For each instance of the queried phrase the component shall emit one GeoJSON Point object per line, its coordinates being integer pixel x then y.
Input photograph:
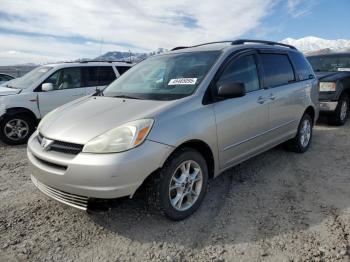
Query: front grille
{"type": "Point", "coordinates": [53, 165]}
{"type": "Point", "coordinates": [63, 147]}
{"type": "Point", "coordinates": [80, 202]}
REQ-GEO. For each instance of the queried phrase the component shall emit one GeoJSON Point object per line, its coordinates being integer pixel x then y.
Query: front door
{"type": "Point", "coordinates": [67, 87]}
{"type": "Point", "coordinates": [241, 122]}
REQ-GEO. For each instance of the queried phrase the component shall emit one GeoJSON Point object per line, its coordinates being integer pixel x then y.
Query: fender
{"type": "Point", "coordinates": [20, 110]}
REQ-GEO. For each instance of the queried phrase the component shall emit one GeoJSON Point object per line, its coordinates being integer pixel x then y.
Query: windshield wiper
{"type": "Point", "coordinates": [125, 96]}
{"type": "Point", "coordinates": [98, 92]}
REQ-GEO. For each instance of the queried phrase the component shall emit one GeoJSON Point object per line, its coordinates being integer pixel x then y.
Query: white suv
{"type": "Point", "coordinates": [24, 101]}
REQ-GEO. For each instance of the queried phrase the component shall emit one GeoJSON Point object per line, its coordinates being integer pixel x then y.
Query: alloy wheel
{"type": "Point", "coordinates": [16, 129]}
{"type": "Point", "coordinates": [305, 133]}
{"type": "Point", "coordinates": [185, 185]}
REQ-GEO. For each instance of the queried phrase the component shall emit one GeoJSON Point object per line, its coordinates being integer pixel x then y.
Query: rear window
{"type": "Point", "coordinates": [277, 70]}
{"type": "Point", "coordinates": [122, 69]}
{"type": "Point", "coordinates": [98, 76]}
{"type": "Point", "coordinates": [302, 67]}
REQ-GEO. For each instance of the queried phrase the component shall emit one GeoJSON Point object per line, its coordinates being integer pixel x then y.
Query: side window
{"type": "Point", "coordinates": [65, 78]}
{"type": "Point", "coordinates": [106, 75]}
{"type": "Point", "coordinates": [90, 76]}
{"type": "Point", "coordinates": [242, 70]}
{"type": "Point", "coordinates": [277, 70]}
{"type": "Point", "coordinates": [55, 79]}
{"type": "Point", "coordinates": [303, 69]}
{"type": "Point", "coordinates": [5, 78]}
{"type": "Point", "coordinates": [122, 69]}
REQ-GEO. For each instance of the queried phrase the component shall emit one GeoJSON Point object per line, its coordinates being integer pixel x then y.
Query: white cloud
{"type": "Point", "coordinates": [17, 49]}
{"type": "Point", "coordinates": [299, 8]}
{"type": "Point", "coordinates": [143, 24]}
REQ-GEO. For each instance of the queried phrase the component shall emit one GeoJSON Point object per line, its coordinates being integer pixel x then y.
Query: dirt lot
{"type": "Point", "coordinates": [279, 206]}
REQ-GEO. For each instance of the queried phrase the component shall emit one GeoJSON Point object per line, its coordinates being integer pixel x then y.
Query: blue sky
{"type": "Point", "coordinates": [329, 19]}
{"type": "Point", "coordinates": [42, 31]}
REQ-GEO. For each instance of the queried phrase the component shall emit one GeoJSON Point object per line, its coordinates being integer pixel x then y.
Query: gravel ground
{"type": "Point", "coordinates": [279, 206]}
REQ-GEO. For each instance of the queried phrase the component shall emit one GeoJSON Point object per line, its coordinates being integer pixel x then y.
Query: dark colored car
{"type": "Point", "coordinates": [333, 72]}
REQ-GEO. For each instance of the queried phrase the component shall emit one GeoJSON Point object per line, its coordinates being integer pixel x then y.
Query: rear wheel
{"type": "Point", "coordinates": [180, 186]}
{"type": "Point", "coordinates": [301, 142]}
{"type": "Point", "coordinates": [16, 129]}
{"type": "Point", "coordinates": [341, 113]}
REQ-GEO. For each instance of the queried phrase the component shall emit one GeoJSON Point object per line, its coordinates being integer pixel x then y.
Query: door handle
{"type": "Point", "coordinates": [261, 100]}
{"type": "Point", "coordinates": [272, 97]}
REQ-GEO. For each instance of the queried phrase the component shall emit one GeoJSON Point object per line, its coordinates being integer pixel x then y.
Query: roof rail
{"type": "Point", "coordinates": [106, 61]}
{"type": "Point", "coordinates": [179, 47]}
{"type": "Point", "coordinates": [209, 43]}
{"type": "Point", "coordinates": [237, 42]}
{"type": "Point", "coordinates": [243, 41]}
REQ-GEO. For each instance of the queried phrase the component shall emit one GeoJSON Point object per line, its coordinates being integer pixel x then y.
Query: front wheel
{"type": "Point", "coordinates": [341, 113]}
{"type": "Point", "coordinates": [301, 142]}
{"type": "Point", "coordinates": [16, 129]}
{"type": "Point", "coordinates": [180, 186]}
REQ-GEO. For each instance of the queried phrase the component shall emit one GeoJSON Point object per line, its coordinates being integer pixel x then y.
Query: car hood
{"type": "Point", "coordinates": [84, 119]}
{"type": "Point", "coordinates": [5, 91]}
{"type": "Point", "coordinates": [331, 76]}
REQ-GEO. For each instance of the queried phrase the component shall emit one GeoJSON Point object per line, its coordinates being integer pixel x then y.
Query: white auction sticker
{"type": "Point", "coordinates": [182, 81]}
{"type": "Point", "coordinates": [343, 69]}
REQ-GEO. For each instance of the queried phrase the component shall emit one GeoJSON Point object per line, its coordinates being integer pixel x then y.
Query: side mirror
{"type": "Point", "coordinates": [47, 87]}
{"type": "Point", "coordinates": [231, 90]}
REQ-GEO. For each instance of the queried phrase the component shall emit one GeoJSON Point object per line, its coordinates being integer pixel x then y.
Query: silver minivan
{"type": "Point", "coordinates": [173, 122]}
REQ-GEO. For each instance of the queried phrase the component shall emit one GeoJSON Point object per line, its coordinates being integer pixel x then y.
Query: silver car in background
{"type": "Point", "coordinates": [174, 121]}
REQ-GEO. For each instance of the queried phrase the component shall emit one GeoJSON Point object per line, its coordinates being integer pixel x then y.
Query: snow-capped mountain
{"type": "Point", "coordinates": [311, 44]}
{"type": "Point", "coordinates": [128, 56]}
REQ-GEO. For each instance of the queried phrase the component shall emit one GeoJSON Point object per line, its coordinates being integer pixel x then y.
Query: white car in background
{"type": "Point", "coordinates": [24, 101]}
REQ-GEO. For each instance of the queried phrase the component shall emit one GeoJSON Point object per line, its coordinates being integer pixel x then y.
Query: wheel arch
{"type": "Point", "coordinates": [22, 110]}
{"type": "Point", "coordinates": [204, 149]}
{"type": "Point", "coordinates": [311, 111]}
{"type": "Point", "coordinates": [196, 144]}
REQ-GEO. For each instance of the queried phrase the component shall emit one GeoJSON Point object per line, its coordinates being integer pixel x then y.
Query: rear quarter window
{"type": "Point", "coordinates": [277, 69]}
{"type": "Point", "coordinates": [123, 69]}
{"type": "Point", "coordinates": [303, 69]}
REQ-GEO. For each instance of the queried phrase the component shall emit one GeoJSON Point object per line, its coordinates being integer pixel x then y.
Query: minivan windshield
{"type": "Point", "coordinates": [28, 79]}
{"type": "Point", "coordinates": [165, 77]}
{"type": "Point", "coordinates": [330, 63]}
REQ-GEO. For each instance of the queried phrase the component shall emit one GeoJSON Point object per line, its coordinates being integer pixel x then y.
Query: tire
{"type": "Point", "coordinates": [21, 126]}
{"type": "Point", "coordinates": [341, 113]}
{"type": "Point", "coordinates": [168, 200]}
{"type": "Point", "coordinates": [302, 141]}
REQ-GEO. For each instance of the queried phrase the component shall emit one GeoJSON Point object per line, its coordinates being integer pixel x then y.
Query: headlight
{"type": "Point", "coordinates": [327, 87]}
{"type": "Point", "coordinates": [120, 139]}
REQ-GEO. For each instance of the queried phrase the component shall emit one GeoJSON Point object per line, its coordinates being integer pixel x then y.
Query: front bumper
{"type": "Point", "coordinates": [88, 176]}
{"type": "Point", "coordinates": [328, 106]}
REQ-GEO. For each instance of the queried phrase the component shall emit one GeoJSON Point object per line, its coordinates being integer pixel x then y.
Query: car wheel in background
{"type": "Point", "coordinates": [16, 129]}
{"type": "Point", "coordinates": [341, 113]}
{"type": "Point", "coordinates": [301, 142]}
{"type": "Point", "coordinates": [178, 189]}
